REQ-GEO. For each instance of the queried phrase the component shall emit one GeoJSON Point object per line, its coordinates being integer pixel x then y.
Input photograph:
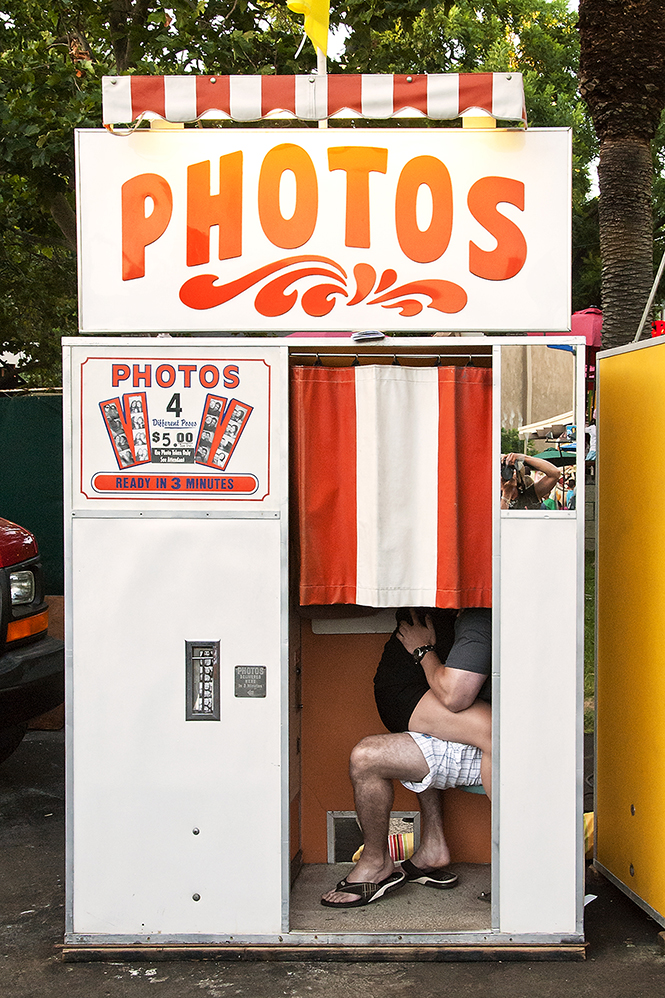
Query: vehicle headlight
{"type": "Point", "coordinates": [22, 587]}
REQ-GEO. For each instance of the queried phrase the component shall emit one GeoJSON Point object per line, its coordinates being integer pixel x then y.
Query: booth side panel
{"type": "Point", "coordinates": [538, 724]}
{"type": "Point", "coordinates": [144, 777]}
{"type": "Point", "coordinates": [630, 733]}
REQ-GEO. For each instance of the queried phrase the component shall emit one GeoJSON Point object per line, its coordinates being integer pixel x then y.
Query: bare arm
{"type": "Point", "coordinates": [456, 689]}
{"type": "Point", "coordinates": [545, 485]}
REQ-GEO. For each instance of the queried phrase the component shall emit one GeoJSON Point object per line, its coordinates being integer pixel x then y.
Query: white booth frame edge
{"type": "Point", "coordinates": [297, 939]}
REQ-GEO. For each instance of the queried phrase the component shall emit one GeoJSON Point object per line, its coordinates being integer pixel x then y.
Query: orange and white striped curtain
{"type": "Point", "coordinates": [393, 481]}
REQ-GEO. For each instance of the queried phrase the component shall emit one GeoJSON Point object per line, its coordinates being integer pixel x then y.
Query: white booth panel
{"type": "Point", "coordinates": [538, 777]}
{"type": "Point", "coordinates": [143, 777]}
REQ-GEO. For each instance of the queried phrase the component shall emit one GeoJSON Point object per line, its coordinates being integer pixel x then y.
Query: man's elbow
{"type": "Point", "coordinates": [456, 701]}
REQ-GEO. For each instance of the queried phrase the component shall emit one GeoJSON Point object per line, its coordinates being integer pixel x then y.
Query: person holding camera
{"type": "Point", "coordinates": [518, 488]}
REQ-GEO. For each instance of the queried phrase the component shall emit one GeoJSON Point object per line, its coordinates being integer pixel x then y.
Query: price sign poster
{"type": "Point", "coordinates": [175, 428]}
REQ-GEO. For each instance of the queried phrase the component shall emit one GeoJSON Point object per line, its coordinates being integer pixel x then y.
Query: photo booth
{"type": "Point", "coordinates": [245, 512]}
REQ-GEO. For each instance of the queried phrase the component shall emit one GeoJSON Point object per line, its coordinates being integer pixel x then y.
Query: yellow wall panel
{"type": "Point", "coordinates": [630, 774]}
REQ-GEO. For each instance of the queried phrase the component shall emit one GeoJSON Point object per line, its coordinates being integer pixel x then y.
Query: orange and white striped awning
{"type": "Point", "coordinates": [311, 97]}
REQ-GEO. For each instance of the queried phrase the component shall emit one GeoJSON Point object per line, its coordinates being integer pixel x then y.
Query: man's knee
{"type": "Point", "coordinates": [365, 756]}
{"type": "Point", "coordinates": [385, 756]}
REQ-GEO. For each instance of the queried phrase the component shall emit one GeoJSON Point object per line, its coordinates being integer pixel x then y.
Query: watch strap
{"type": "Point", "coordinates": [419, 653]}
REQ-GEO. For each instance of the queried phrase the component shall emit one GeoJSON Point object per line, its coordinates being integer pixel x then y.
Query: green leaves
{"type": "Point", "coordinates": [53, 54]}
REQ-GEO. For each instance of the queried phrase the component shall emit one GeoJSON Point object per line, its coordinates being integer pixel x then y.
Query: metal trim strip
{"type": "Point", "coordinates": [69, 698]}
{"type": "Point", "coordinates": [580, 365]}
{"type": "Point", "coordinates": [301, 939]}
{"type": "Point", "coordinates": [176, 514]}
{"type": "Point", "coordinates": [656, 915]}
{"type": "Point", "coordinates": [496, 637]}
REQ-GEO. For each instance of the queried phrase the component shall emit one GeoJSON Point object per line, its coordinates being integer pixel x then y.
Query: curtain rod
{"type": "Point", "coordinates": [463, 354]}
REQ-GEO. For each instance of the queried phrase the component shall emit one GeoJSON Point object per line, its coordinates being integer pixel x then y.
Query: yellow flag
{"type": "Point", "coordinates": [317, 16]}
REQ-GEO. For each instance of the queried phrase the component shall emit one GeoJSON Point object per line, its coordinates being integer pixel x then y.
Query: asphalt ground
{"type": "Point", "coordinates": [624, 956]}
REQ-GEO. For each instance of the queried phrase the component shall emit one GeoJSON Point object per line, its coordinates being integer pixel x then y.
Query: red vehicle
{"type": "Point", "coordinates": [31, 663]}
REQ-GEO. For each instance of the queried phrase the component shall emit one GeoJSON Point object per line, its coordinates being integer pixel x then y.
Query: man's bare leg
{"type": "Point", "coordinates": [375, 762]}
{"type": "Point", "coordinates": [486, 772]}
{"type": "Point", "coordinates": [432, 852]}
{"type": "Point", "coordinates": [472, 726]}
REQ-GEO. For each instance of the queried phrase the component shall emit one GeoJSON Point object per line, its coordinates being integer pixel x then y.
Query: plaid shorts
{"type": "Point", "coordinates": [451, 764]}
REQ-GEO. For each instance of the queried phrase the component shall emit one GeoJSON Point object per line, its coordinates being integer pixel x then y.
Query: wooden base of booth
{"type": "Point", "coordinates": [455, 953]}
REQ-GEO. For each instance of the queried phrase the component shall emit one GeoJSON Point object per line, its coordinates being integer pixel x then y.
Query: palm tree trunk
{"type": "Point", "coordinates": [625, 173]}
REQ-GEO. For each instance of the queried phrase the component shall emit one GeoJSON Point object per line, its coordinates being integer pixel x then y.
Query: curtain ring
{"type": "Point", "coordinates": [317, 362]}
{"type": "Point", "coordinates": [396, 362]}
{"type": "Point", "coordinates": [356, 361]}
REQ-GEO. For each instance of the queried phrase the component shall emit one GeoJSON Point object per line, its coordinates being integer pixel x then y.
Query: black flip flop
{"type": "Point", "coordinates": [443, 878]}
{"type": "Point", "coordinates": [367, 893]}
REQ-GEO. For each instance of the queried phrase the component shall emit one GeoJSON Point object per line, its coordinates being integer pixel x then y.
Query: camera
{"type": "Point", "coordinates": [507, 471]}
{"type": "Point", "coordinates": [513, 471]}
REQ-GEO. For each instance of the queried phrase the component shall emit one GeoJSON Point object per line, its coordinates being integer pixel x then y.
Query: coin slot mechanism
{"type": "Point", "coordinates": [202, 681]}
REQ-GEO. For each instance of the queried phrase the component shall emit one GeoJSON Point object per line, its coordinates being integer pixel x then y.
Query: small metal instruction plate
{"type": "Point", "coordinates": [250, 681]}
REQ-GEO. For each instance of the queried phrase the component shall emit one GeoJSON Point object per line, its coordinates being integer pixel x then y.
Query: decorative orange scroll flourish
{"type": "Point", "coordinates": [274, 298]}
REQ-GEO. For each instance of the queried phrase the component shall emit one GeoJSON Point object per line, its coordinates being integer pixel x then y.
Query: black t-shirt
{"type": "Point", "coordinates": [462, 642]}
{"type": "Point", "coordinates": [527, 499]}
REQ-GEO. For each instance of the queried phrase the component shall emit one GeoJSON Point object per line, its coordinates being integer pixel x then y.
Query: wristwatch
{"type": "Point", "coordinates": [419, 653]}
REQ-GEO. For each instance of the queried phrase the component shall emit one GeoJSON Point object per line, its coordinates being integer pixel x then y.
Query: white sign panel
{"type": "Point", "coordinates": [301, 229]}
{"type": "Point", "coordinates": [174, 425]}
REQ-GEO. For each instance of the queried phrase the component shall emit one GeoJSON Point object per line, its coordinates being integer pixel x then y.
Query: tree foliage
{"type": "Point", "coordinates": [53, 56]}
{"type": "Point", "coordinates": [54, 53]}
{"type": "Point", "coordinates": [538, 39]}
{"type": "Point", "coordinates": [622, 78]}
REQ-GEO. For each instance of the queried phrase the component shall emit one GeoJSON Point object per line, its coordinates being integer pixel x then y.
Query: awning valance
{"type": "Point", "coordinates": [311, 97]}
{"type": "Point", "coordinates": [545, 425]}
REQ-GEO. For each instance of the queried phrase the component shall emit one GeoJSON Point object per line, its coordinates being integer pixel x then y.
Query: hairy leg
{"type": "Point", "coordinates": [375, 762]}
{"type": "Point", "coordinates": [472, 726]}
{"type": "Point", "coordinates": [432, 851]}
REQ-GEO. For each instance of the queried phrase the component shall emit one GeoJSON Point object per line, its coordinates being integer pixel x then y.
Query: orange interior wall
{"type": "Point", "coordinates": [294, 826]}
{"type": "Point", "coordinates": [338, 710]}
